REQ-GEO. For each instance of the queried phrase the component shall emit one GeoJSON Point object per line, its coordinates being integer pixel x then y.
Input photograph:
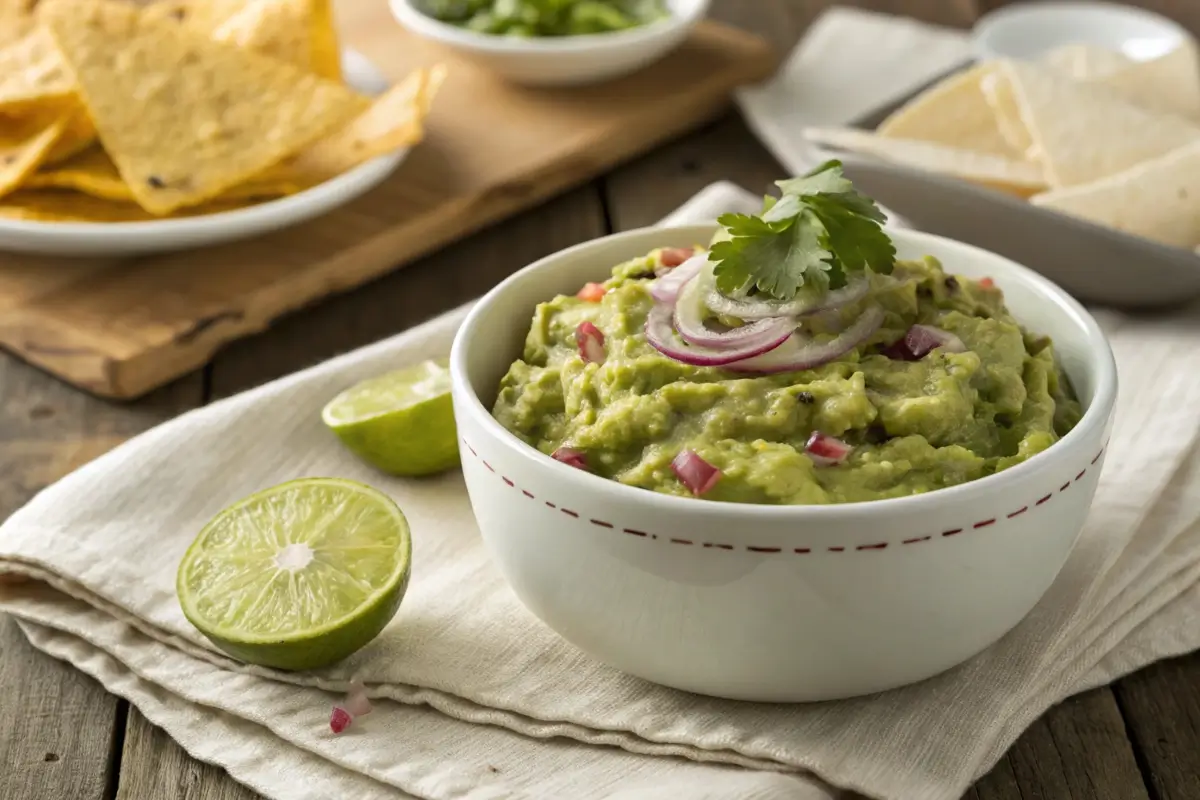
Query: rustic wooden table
{"type": "Point", "coordinates": [64, 737]}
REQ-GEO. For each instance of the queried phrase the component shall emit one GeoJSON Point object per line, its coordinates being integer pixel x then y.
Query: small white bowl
{"type": "Point", "coordinates": [775, 603]}
{"type": "Point", "coordinates": [1028, 30]}
{"type": "Point", "coordinates": [115, 239]}
{"type": "Point", "coordinates": [563, 60]}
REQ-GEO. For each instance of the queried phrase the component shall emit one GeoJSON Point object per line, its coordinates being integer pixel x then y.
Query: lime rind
{"type": "Point", "coordinates": [299, 575]}
{"type": "Point", "coordinates": [401, 422]}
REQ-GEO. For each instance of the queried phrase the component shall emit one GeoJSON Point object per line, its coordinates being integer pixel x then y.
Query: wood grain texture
{"type": "Point", "coordinates": [121, 327]}
{"type": "Point", "coordinates": [429, 287]}
{"type": "Point", "coordinates": [60, 725]}
{"type": "Point", "coordinates": [1077, 750]}
{"type": "Point", "coordinates": [1161, 706]}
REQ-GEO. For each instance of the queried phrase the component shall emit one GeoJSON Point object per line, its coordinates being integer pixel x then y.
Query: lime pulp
{"type": "Point", "coordinates": [298, 576]}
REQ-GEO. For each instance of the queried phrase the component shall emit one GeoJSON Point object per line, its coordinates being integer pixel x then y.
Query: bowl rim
{"type": "Point", "coordinates": [412, 18]}
{"type": "Point", "coordinates": [1027, 12]}
{"type": "Point", "coordinates": [1101, 364]}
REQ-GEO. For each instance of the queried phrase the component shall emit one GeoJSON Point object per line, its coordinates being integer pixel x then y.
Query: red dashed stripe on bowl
{"type": "Point", "coordinates": [600, 523]}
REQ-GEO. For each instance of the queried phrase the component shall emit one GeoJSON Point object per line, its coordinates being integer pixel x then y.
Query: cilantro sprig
{"type": "Point", "coordinates": [817, 231]}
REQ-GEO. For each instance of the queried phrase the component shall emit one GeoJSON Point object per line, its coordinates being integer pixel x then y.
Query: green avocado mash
{"type": "Point", "coordinates": [544, 17]}
{"type": "Point", "coordinates": [914, 425]}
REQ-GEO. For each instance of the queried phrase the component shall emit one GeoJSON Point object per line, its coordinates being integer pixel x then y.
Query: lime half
{"type": "Point", "coordinates": [401, 422]}
{"type": "Point", "coordinates": [298, 576]}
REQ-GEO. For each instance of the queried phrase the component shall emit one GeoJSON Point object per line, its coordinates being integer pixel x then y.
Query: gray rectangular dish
{"type": "Point", "coordinates": [1095, 264]}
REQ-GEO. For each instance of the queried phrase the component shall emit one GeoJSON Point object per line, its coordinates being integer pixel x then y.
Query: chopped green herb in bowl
{"type": "Point", "coordinates": [528, 18]}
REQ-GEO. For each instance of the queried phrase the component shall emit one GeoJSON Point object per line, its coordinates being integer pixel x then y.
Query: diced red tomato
{"type": "Point", "coordinates": [591, 292]}
{"type": "Point", "coordinates": [987, 283]}
{"type": "Point", "coordinates": [674, 256]}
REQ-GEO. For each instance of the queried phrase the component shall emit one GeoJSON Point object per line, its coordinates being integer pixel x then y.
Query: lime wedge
{"type": "Point", "coordinates": [297, 576]}
{"type": "Point", "coordinates": [401, 422]}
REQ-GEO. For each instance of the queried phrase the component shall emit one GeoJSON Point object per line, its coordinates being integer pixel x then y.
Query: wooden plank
{"type": "Point", "coordinates": [61, 726]}
{"type": "Point", "coordinates": [1077, 750]}
{"type": "Point", "coordinates": [167, 772]}
{"type": "Point", "coordinates": [1161, 706]}
{"type": "Point", "coordinates": [430, 287]}
{"type": "Point", "coordinates": [121, 327]}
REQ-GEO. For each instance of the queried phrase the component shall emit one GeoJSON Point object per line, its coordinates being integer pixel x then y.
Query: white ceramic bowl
{"type": "Point", "coordinates": [775, 603]}
{"type": "Point", "coordinates": [1027, 30]}
{"type": "Point", "coordinates": [560, 61]}
{"type": "Point", "coordinates": [113, 239]}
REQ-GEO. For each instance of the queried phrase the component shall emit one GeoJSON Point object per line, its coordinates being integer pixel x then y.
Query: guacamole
{"type": "Point", "coordinates": [544, 17]}
{"type": "Point", "coordinates": [880, 420]}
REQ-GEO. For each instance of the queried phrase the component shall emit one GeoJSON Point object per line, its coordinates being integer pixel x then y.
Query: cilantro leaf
{"type": "Point", "coordinates": [820, 229]}
{"type": "Point", "coordinates": [787, 255]}
{"type": "Point", "coordinates": [852, 238]}
{"type": "Point", "coordinates": [825, 179]}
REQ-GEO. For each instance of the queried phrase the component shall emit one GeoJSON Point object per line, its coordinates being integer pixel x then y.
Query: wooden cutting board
{"type": "Point", "coordinates": [119, 328]}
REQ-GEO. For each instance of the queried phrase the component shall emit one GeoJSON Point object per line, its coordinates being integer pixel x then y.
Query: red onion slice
{"type": "Point", "coordinates": [571, 457]}
{"type": "Point", "coordinates": [590, 341]}
{"type": "Point", "coordinates": [357, 702]}
{"type": "Point", "coordinates": [661, 335]}
{"type": "Point", "coordinates": [666, 288]}
{"type": "Point", "coordinates": [801, 352]}
{"type": "Point", "coordinates": [749, 310]}
{"type": "Point", "coordinates": [694, 472]}
{"type": "Point", "coordinates": [689, 323]}
{"type": "Point", "coordinates": [920, 340]}
{"type": "Point", "coordinates": [827, 451]}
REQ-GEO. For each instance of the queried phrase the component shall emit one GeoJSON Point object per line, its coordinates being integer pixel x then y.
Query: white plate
{"type": "Point", "coordinates": [157, 236]}
{"type": "Point", "coordinates": [1028, 30]}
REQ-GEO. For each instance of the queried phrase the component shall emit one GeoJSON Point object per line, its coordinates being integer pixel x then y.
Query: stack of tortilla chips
{"type": "Point", "coordinates": [1085, 132]}
{"type": "Point", "coordinates": [111, 111]}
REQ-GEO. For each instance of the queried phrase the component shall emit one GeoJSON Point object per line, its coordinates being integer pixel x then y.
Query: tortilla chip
{"type": "Point", "coordinates": [1085, 61]}
{"type": "Point", "coordinates": [327, 51]}
{"type": "Point", "coordinates": [1081, 133]}
{"type": "Point", "coordinates": [16, 20]}
{"type": "Point", "coordinates": [1000, 98]}
{"type": "Point", "coordinates": [1157, 200]}
{"type": "Point", "coordinates": [33, 75]}
{"type": "Point", "coordinates": [986, 169]}
{"type": "Point", "coordinates": [23, 147]}
{"type": "Point", "coordinates": [77, 136]}
{"type": "Point", "coordinates": [91, 172]}
{"type": "Point", "coordinates": [955, 113]}
{"type": "Point", "coordinates": [299, 32]}
{"type": "Point", "coordinates": [184, 117]}
{"type": "Point", "coordinates": [201, 16]}
{"type": "Point", "coordinates": [50, 205]}
{"type": "Point", "coordinates": [1169, 84]}
{"type": "Point", "coordinates": [394, 120]}
{"type": "Point", "coordinates": [277, 28]}
{"type": "Point", "coordinates": [94, 173]}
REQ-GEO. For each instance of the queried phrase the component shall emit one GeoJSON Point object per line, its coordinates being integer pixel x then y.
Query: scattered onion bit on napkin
{"type": "Point", "coordinates": [356, 705]}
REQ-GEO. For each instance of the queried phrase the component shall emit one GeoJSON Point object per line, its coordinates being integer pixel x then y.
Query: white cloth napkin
{"type": "Point", "coordinates": [479, 700]}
